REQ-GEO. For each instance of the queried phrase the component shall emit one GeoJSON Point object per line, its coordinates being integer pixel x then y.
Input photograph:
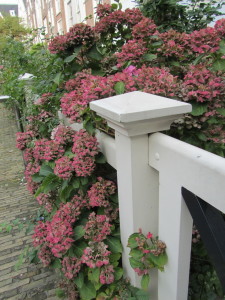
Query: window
{"type": "Point", "coordinates": [57, 6]}
{"type": "Point", "coordinates": [12, 13]}
{"type": "Point", "coordinates": [78, 13]}
{"type": "Point", "coordinates": [60, 29]}
{"type": "Point", "coordinates": [70, 13]}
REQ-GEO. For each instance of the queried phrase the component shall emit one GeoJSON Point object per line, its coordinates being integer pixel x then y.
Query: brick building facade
{"type": "Point", "coordinates": [57, 16]}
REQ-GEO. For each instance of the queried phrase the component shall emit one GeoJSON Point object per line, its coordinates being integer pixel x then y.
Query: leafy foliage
{"type": "Point", "coordinates": [179, 15]}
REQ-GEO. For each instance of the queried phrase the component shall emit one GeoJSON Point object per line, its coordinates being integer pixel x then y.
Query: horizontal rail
{"type": "Point", "coordinates": [199, 171]}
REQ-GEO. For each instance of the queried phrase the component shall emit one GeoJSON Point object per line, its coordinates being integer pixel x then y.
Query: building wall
{"type": "Point", "coordinates": [9, 9]}
{"type": "Point", "coordinates": [57, 16]}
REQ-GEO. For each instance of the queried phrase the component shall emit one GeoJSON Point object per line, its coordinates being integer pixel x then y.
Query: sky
{"type": "Point", "coordinates": [8, 1]}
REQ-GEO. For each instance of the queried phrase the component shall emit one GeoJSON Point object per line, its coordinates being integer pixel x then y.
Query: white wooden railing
{"type": "Point", "coordinates": [151, 169]}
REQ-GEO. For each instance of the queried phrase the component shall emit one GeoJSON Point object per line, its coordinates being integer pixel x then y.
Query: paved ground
{"type": "Point", "coordinates": [30, 282]}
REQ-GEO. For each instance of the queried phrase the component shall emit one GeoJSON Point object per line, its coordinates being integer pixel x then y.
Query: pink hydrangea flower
{"type": "Point", "coordinates": [97, 228]}
{"type": "Point", "coordinates": [100, 192]}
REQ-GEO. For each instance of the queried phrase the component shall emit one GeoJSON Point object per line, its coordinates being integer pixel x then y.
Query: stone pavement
{"type": "Point", "coordinates": [30, 282]}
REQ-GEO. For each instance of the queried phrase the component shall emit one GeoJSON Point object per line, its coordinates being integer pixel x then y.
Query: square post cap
{"type": "Point", "coordinates": [137, 113]}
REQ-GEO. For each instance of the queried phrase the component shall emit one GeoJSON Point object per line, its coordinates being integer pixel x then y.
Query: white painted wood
{"type": "Point", "coordinates": [133, 116]}
{"type": "Point", "coordinates": [203, 173]}
{"type": "Point", "coordinates": [138, 195]}
{"type": "Point", "coordinates": [137, 113]}
{"type": "Point", "coordinates": [199, 171]}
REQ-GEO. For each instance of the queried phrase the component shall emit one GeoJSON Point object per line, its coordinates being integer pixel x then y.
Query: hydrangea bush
{"type": "Point", "coordinates": [65, 170]}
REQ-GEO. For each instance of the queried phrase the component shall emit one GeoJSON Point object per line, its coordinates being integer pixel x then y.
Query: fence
{"type": "Point", "coordinates": [152, 169]}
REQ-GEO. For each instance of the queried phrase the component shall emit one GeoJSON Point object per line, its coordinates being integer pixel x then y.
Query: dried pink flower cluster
{"type": "Point", "coordinates": [44, 99]}
{"type": "Point", "coordinates": [56, 234]}
{"type": "Point", "coordinates": [63, 134]}
{"type": "Point", "coordinates": [144, 29]}
{"type": "Point", "coordinates": [118, 17]}
{"type": "Point", "coordinates": [220, 28]}
{"type": "Point", "coordinates": [71, 266]}
{"type": "Point", "coordinates": [96, 255]}
{"type": "Point", "coordinates": [58, 44]}
{"type": "Point", "coordinates": [79, 34]}
{"type": "Point", "coordinates": [132, 51]}
{"type": "Point", "coordinates": [106, 275]}
{"type": "Point", "coordinates": [23, 138]}
{"type": "Point", "coordinates": [45, 149]}
{"type": "Point", "coordinates": [63, 167]}
{"type": "Point", "coordinates": [157, 81]}
{"type": "Point", "coordinates": [97, 228]}
{"type": "Point", "coordinates": [103, 10]}
{"type": "Point", "coordinates": [46, 200]}
{"type": "Point", "coordinates": [174, 43]}
{"type": "Point", "coordinates": [202, 85]}
{"type": "Point", "coordinates": [100, 191]}
{"type": "Point", "coordinates": [45, 255]}
{"type": "Point", "coordinates": [85, 148]}
{"type": "Point", "coordinates": [150, 80]}
{"type": "Point", "coordinates": [204, 40]}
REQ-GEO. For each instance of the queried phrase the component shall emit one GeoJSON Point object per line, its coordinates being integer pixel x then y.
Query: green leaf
{"type": "Point", "coordinates": [119, 87]}
{"type": "Point", "coordinates": [175, 63]}
{"type": "Point", "coordinates": [56, 264]}
{"type": "Point", "coordinates": [8, 228]}
{"type": "Point", "coordinates": [49, 183]}
{"type": "Point", "coordinates": [222, 47]}
{"type": "Point", "coordinates": [88, 292]}
{"type": "Point", "coordinates": [114, 257]}
{"type": "Point", "coordinates": [94, 53]}
{"type": "Point", "coordinates": [57, 78]}
{"type": "Point", "coordinates": [145, 281]}
{"type": "Point", "coordinates": [37, 178]}
{"type": "Point", "coordinates": [93, 275]}
{"type": "Point", "coordinates": [114, 198]}
{"type": "Point", "coordinates": [65, 193]}
{"type": "Point", "coordinates": [70, 58]}
{"type": "Point", "coordinates": [100, 158]}
{"type": "Point", "coordinates": [79, 280]}
{"type": "Point", "coordinates": [76, 183]}
{"type": "Point", "coordinates": [198, 109]}
{"type": "Point", "coordinates": [80, 248]}
{"type": "Point", "coordinates": [142, 295]}
{"type": "Point", "coordinates": [221, 111]}
{"type": "Point", "coordinates": [114, 244]}
{"type": "Point", "coordinates": [160, 260]}
{"type": "Point", "coordinates": [213, 121]}
{"type": "Point", "coordinates": [118, 273]}
{"type": "Point", "coordinates": [59, 293]}
{"type": "Point", "coordinates": [136, 253]}
{"type": "Point", "coordinates": [114, 6]}
{"type": "Point", "coordinates": [201, 136]}
{"type": "Point", "coordinates": [132, 243]}
{"type": "Point", "coordinates": [29, 228]}
{"type": "Point", "coordinates": [70, 154]}
{"type": "Point", "coordinates": [156, 44]}
{"type": "Point", "coordinates": [198, 59]}
{"type": "Point", "coordinates": [84, 180]}
{"type": "Point", "coordinates": [219, 65]}
{"type": "Point", "coordinates": [97, 72]}
{"type": "Point", "coordinates": [88, 125]}
{"type": "Point", "coordinates": [45, 170]}
{"type": "Point", "coordinates": [135, 263]}
{"type": "Point", "coordinates": [149, 57]}
{"type": "Point", "coordinates": [78, 232]}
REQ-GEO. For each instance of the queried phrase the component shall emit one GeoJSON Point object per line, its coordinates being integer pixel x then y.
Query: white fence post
{"type": "Point", "coordinates": [133, 116]}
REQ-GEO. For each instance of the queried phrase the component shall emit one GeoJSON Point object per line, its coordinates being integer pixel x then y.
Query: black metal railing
{"type": "Point", "coordinates": [211, 226]}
